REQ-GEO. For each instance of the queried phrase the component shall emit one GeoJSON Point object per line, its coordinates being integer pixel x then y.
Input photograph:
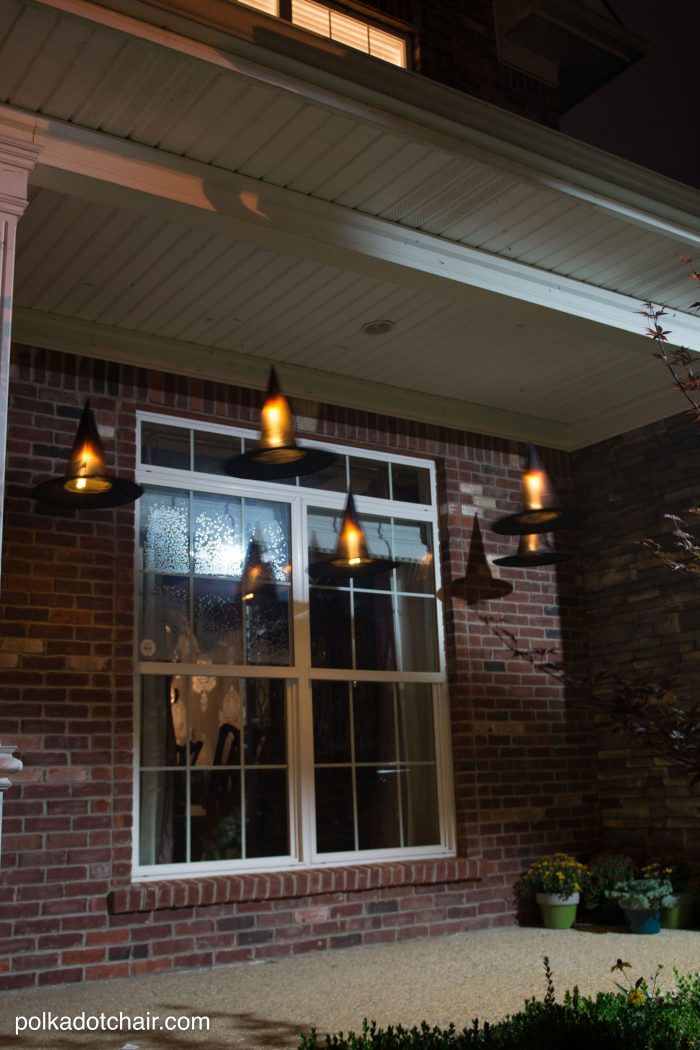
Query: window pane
{"type": "Point", "coordinates": [374, 632]}
{"type": "Point", "coordinates": [419, 806]}
{"type": "Point", "coordinates": [415, 722]}
{"type": "Point", "coordinates": [373, 720]}
{"type": "Point", "coordinates": [163, 446]}
{"type": "Point", "coordinates": [165, 531]}
{"type": "Point", "coordinates": [369, 477]}
{"type": "Point", "coordinates": [270, 7]}
{"type": "Point", "coordinates": [165, 619]}
{"type": "Point", "coordinates": [311, 16]}
{"type": "Point", "coordinates": [162, 832]}
{"type": "Point", "coordinates": [388, 47]}
{"type": "Point", "coordinates": [331, 703]}
{"type": "Point", "coordinates": [266, 809]}
{"type": "Point", "coordinates": [215, 815]}
{"type": "Point", "coordinates": [217, 539]}
{"type": "Point", "coordinates": [416, 641]}
{"type": "Point", "coordinates": [267, 626]}
{"type": "Point", "coordinates": [335, 829]}
{"type": "Point", "coordinates": [331, 641]}
{"type": "Point", "coordinates": [158, 737]}
{"type": "Point", "coordinates": [267, 523]}
{"type": "Point", "coordinates": [213, 451]}
{"type": "Point", "coordinates": [410, 484]}
{"type": "Point", "coordinates": [332, 477]}
{"type": "Point", "coordinates": [323, 529]}
{"type": "Point", "coordinates": [266, 722]}
{"type": "Point", "coordinates": [413, 547]}
{"type": "Point", "coordinates": [217, 620]}
{"type": "Point", "coordinates": [377, 808]}
{"type": "Point", "coordinates": [349, 31]}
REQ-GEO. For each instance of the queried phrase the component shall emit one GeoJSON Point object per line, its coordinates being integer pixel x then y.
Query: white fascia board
{"type": "Point", "coordinates": [383, 95]}
{"type": "Point", "coordinates": [175, 356]}
{"type": "Point", "coordinates": [99, 167]}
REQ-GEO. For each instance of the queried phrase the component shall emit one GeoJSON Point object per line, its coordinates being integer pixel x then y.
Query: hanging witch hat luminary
{"type": "Point", "coordinates": [87, 485]}
{"type": "Point", "coordinates": [276, 454]}
{"type": "Point", "coordinates": [478, 584]}
{"type": "Point", "coordinates": [534, 550]}
{"type": "Point", "coordinates": [542, 510]}
{"type": "Point", "coordinates": [352, 558]}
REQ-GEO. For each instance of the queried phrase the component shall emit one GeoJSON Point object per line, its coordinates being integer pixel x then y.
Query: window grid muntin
{"type": "Point", "coordinates": [300, 763]}
{"type": "Point", "coordinates": [188, 768]}
{"type": "Point", "coordinates": [400, 763]}
{"type": "Point", "coordinates": [328, 497]}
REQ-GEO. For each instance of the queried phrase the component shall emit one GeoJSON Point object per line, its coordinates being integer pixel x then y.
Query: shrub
{"type": "Point", "coordinates": [637, 1017]}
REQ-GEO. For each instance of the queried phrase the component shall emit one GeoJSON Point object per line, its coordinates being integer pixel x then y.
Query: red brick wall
{"type": "Point", "coordinates": [643, 618]}
{"type": "Point", "coordinates": [456, 45]}
{"type": "Point", "coordinates": [523, 759]}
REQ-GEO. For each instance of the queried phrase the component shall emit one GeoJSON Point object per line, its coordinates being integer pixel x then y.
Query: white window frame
{"type": "Point", "coordinates": [283, 9]}
{"type": "Point", "coordinates": [300, 674]}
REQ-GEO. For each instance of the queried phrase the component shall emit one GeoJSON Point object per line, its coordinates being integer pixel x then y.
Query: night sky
{"type": "Point", "coordinates": [649, 114]}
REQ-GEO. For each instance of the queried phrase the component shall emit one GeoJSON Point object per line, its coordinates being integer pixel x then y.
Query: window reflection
{"type": "Point", "coordinates": [375, 775]}
{"type": "Point", "coordinates": [196, 608]}
{"type": "Point", "coordinates": [384, 622]}
{"type": "Point", "coordinates": [222, 742]}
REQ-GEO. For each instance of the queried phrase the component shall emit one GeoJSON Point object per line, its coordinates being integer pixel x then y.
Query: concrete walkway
{"type": "Point", "coordinates": [485, 974]}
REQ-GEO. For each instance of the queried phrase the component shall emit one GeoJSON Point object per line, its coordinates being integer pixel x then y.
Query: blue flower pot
{"type": "Point", "coordinates": [642, 920]}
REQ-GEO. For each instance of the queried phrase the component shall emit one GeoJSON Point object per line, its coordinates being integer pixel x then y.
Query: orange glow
{"type": "Point", "coordinates": [87, 470]}
{"type": "Point", "coordinates": [530, 543]}
{"type": "Point", "coordinates": [276, 422]}
{"type": "Point", "coordinates": [533, 483]}
{"type": "Point", "coordinates": [352, 541]}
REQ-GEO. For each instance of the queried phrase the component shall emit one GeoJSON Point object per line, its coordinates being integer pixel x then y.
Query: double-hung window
{"type": "Point", "coordinates": [290, 720]}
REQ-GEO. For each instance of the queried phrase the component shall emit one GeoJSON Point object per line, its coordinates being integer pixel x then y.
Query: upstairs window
{"type": "Point", "coordinates": [335, 24]}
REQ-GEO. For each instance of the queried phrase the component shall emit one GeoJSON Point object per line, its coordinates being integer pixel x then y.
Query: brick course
{"type": "Point", "coordinates": [456, 45]}
{"type": "Point", "coordinates": [642, 618]}
{"type": "Point", "coordinates": [523, 759]}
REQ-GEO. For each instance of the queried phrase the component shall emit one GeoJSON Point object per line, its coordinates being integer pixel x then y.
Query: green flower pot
{"type": "Point", "coordinates": [557, 913]}
{"type": "Point", "coordinates": [680, 917]}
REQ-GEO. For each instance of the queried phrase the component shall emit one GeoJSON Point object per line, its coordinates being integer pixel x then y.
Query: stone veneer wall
{"type": "Point", "coordinates": [642, 617]}
{"type": "Point", "coordinates": [523, 759]}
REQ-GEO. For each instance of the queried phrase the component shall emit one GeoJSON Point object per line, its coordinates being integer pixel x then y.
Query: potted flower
{"type": "Point", "coordinates": [683, 878]}
{"type": "Point", "coordinates": [606, 870]}
{"type": "Point", "coordinates": [642, 901]}
{"type": "Point", "coordinates": [557, 880]}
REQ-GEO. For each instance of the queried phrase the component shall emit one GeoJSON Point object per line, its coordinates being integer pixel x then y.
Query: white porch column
{"type": "Point", "coordinates": [17, 158]}
{"type": "Point", "coordinates": [8, 764]}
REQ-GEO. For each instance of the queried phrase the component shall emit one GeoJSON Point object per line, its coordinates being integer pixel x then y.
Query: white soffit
{"type": "Point", "coordinates": [181, 185]}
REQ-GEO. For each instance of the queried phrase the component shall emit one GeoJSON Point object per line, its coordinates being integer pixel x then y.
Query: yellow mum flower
{"type": "Point", "coordinates": [636, 997]}
{"type": "Point", "coordinates": [560, 874]}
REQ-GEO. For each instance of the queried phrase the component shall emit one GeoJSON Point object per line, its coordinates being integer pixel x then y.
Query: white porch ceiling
{"type": "Point", "coordinates": [195, 210]}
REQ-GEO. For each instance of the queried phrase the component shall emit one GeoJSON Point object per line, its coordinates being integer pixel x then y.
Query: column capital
{"type": "Point", "coordinates": [8, 764]}
{"type": "Point", "coordinates": [17, 159]}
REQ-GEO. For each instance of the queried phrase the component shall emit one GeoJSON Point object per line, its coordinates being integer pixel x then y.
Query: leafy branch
{"type": "Point", "coordinates": [665, 723]}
